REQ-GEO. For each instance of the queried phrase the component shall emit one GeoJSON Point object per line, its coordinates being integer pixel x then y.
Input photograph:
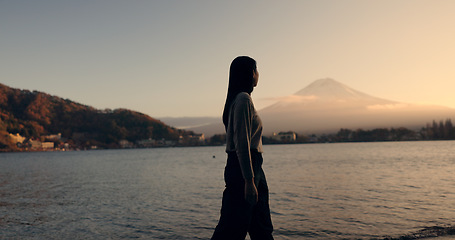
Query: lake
{"type": "Point", "coordinates": [317, 191]}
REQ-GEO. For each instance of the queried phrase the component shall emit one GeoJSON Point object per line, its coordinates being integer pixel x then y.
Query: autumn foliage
{"type": "Point", "coordinates": [34, 114]}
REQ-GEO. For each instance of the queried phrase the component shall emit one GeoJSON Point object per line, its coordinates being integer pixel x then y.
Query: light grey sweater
{"type": "Point", "coordinates": [244, 132]}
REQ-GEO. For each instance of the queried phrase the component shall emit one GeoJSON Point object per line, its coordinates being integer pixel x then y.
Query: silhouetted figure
{"type": "Point", "coordinates": [245, 206]}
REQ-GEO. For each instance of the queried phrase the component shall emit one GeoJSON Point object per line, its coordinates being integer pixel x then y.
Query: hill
{"type": "Point", "coordinates": [36, 114]}
{"type": "Point", "coordinates": [207, 125]}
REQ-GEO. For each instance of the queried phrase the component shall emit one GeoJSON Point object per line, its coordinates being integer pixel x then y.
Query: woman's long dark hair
{"type": "Point", "coordinates": [240, 80]}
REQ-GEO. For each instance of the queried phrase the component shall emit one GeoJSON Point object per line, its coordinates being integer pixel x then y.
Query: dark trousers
{"type": "Point", "coordinates": [238, 217]}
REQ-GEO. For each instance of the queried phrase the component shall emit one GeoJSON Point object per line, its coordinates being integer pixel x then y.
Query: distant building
{"type": "Point", "coordinates": [16, 138]}
{"type": "Point", "coordinates": [35, 145]}
{"type": "Point", "coordinates": [146, 143]}
{"type": "Point", "coordinates": [125, 144]}
{"type": "Point", "coordinates": [47, 145]}
{"type": "Point", "coordinates": [169, 143]}
{"type": "Point", "coordinates": [285, 136]}
{"type": "Point", "coordinates": [195, 139]}
{"type": "Point", "coordinates": [53, 137]}
{"type": "Point", "coordinates": [164, 143]}
{"type": "Point", "coordinates": [198, 137]}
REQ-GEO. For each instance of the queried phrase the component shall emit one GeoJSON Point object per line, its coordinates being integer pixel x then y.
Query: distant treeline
{"type": "Point", "coordinates": [442, 130]}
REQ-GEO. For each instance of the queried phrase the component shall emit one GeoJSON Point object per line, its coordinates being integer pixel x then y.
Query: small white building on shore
{"type": "Point", "coordinates": [285, 136]}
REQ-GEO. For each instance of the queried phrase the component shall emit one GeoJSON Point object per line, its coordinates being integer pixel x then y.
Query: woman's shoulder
{"type": "Point", "coordinates": [243, 100]}
{"type": "Point", "coordinates": [243, 96]}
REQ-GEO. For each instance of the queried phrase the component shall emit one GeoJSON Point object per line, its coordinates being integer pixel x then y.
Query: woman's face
{"type": "Point", "coordinates": [255, 77]}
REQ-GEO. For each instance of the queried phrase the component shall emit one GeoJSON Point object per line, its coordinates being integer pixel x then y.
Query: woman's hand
{"type": "Point", "coordinates": [251, 192]}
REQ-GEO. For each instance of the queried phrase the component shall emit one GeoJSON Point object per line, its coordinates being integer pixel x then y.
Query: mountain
{"type": "Point", "coordinates": [207, 125]}
{"type": "Point", "coordinates": [190, 122]}
{"type": "Point", "coordinates": [327, 105]}
{"type": "Point", "coordinates": [322, 95]}
{"type": "Point", "coordinates": [35, 114]}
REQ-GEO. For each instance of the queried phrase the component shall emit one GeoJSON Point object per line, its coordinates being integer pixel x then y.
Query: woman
{"type": "Point", "coordinates": [245, 205]}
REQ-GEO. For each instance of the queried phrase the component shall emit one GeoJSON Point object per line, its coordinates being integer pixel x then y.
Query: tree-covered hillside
{"type": "Point", "coordinates": [36, 114]}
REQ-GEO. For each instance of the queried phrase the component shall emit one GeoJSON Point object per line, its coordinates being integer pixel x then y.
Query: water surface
{"type": "Point", "coordinates": [317, 191]}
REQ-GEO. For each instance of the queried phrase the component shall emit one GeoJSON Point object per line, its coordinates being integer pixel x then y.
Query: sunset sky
{"type": "Point", "coordinates": [171, 58]}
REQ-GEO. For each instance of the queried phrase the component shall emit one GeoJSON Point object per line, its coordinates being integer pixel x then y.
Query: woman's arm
{"type": "Point", "coordinates": [242, 124]}
{"type": "Point", "coordinates": [251, 192]}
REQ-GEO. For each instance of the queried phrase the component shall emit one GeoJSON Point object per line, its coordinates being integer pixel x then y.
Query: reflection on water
{"type": "Point", "coordinates": [317, 191]}
{"type": "Point", "coordinates": [364, 190]}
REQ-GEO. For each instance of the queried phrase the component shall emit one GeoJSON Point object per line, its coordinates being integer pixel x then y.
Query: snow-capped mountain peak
{"type": "Point", "coordinates": [329, 89]}
{"type": "Point", "coordinates": [326, 93]}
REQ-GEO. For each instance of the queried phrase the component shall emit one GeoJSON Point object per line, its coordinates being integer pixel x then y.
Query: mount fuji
{"type": "Point", "coordinates": [327, 105]}
{"type": "Point", "coordinates": [325, 94]}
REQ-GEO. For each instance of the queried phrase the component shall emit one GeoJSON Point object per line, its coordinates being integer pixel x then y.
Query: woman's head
{"type": "Point", "coordinates": [243, 77]}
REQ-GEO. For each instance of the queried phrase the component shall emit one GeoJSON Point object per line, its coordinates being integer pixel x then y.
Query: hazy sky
{"type": "Point", "coordinates": [171, 58]}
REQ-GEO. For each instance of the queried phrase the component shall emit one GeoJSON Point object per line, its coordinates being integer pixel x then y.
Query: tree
{"type": "Point", "coordinates": [401, 134]}
{"type": "Point", "coordinates": [344, 135]}
{"type": "Point", "coordinates": [442, 133]}
{"type": "Point", "coordinates": [435, 131]}
{"type": "Point", "coordinates": [449, 129]}
{"type": "Point", "coordinates": [380, 134]}
{"type": "Point", "coordinates": [217, 139]}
